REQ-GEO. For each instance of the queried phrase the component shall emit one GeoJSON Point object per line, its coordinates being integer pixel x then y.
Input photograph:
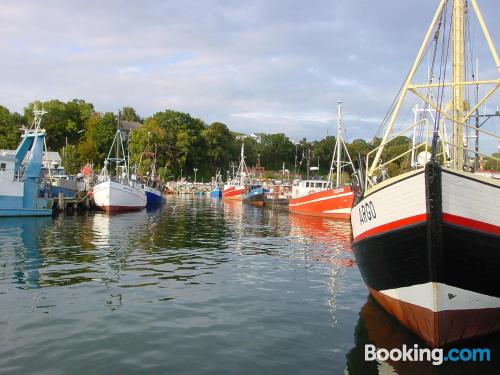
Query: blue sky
{"type": "Point", "coordinates": [257, 65]}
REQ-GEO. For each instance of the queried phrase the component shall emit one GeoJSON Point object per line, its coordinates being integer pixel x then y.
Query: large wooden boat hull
{"type": "Point", "coordinates": [234, 193]}
{"type": "Point", "coordinates": [335, 203]}
{"type": "Point", "coordinates": [433, 262]}
{"type": "Point", "coordinates": [112, 196]}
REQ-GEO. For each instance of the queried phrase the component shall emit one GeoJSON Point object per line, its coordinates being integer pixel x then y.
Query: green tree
{"type": "Point", "coordinates": [10, 135]}
{"type": "Point", "coordinates": [129, 114]}
{"type": "Point", "coordinates": [220, 144]}
{"type": "Point", "coordinates": [98, 135]}
{"type": "Point", "coordinates": [276, 149]}
{"type": "Point", "coordinates": [149, 138]}
{"type": "Point", "coordinates": [70, 159]}
{"type": "Point", "coordinates": [185, 146]}
{"type": "Point", "coordinates": [64, 122]}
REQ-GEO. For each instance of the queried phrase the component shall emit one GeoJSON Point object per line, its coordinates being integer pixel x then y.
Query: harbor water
{"type": "Point", "coordinates": [198, 286]}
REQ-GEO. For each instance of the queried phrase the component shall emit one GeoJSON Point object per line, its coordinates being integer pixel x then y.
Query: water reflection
{"type": "Point", "coordinates": [333, 236]}
{"type": "Point", "coordinates": [197, 281]}
{"type": "Point", "coordinates": [23, 236]}
{"type": "Point", "coordinates": [375, 326]}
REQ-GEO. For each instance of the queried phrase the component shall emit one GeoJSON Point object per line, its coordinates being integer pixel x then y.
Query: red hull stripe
{"type": "Point", "coordinates": [472, 224]}
{"type": "Point", "coordinates": [393, 225]}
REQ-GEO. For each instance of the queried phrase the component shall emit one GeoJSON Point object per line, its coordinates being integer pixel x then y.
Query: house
{"type": "Point", "coordinates": [127, 126]}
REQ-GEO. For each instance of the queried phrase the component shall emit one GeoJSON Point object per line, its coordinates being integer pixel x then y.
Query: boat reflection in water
{"type": "Point", "coordinates": [334, 236]}
{"type": "Point", "coordinates": [376, 327]}
{"type": "Point", "coordinates": [24, 236]}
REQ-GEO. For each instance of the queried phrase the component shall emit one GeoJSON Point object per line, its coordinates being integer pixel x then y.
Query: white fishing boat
{"type": "Point", "coordinates": [118, 193]}
{"type": "Point", "coordinates": [427, 239]}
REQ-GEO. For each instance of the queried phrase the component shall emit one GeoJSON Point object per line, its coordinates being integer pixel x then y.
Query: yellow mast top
{"type": "Point", "coordinates": [458, 70]}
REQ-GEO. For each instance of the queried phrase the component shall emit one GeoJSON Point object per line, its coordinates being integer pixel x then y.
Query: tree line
{"type": "Point", "coordinates": [181, 142]}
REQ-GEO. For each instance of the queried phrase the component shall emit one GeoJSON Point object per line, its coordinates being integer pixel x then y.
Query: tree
{"type": "Point", "coordinates": [184, 144]}
{"type": "Point", "coordinates": [276, 149]}
{"type": "Point", "coordinates": [63, 121]}
{"type": "Point", "coordinates": [10, 135]}
{"type": "Point", "coordinates": [98, 136]}
{"type": "Point", "coordinates": [220, 145]}
{"type": "Point", "coordinates": [70, 159]}
{"type": "Point", "coordinates": [129, 114]}
{"type": "Point", "coordinates": [149, 138]}
{"type": "Point", "coordinates": [323, 149]}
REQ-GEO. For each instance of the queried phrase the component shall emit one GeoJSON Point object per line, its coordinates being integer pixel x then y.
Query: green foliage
{"type": "Point", "coordinates": [63, 121]}
{"type": "Point", "coordinates": [70, 159]}
{"type": "Point", "coordinates": [98, 134]}
{"type": "Point", "coordinates": [184, 146]}
{"type": "Point", "coordinates": [276, 149]}
{"type": "Point", "coordinates": [220, 144]}
{"type": "Point", "coordinates": [143, 142]}
{"type": "Point", "coordinates": [129, 114]}
{"type": "Point", "coordinates": [490, 163]}
{"type": "Point", "coordinates": [10, 135]}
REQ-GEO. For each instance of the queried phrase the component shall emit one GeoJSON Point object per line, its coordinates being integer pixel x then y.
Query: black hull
{"type": "Point", "coordinates": [434, 252]}
{"type": "Point", "coordinates": [469, 259]}
{"type": "Point", "coordinates": [256, 199]}
{"type": "Point", "coordinates": [277, 202]}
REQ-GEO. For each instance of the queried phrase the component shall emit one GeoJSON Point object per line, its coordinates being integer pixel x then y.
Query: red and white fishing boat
{"type": "Point", "coordinates": [325, 198]}
{"type": "Point", "coordinates": [427, 240]}
{"type": "Point", "coordinates": [118, 193]}
{"type": "Point", "coordinates": [235, 188]}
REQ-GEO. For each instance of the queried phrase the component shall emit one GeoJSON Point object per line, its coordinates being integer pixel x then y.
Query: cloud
{"type": "Point", "coordinates": [129, 69]}
{"type": "Point", "coordinates": [276, 66]}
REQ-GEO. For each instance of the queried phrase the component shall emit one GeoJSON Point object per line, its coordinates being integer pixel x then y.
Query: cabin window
{"type": "Point", "coordinates": [319, 184]}
{"type": "Point", "coordinates": [3, 167]}
{"type": "Point", "coordinates": [307, 184]}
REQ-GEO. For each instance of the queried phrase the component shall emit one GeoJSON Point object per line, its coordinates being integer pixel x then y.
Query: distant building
{"type": "Point", "coordinates": [127, 126]}
{"type": "Point", "coordinates": [257, 136]}
{"type": "Point", "coordinates": [50, 159]}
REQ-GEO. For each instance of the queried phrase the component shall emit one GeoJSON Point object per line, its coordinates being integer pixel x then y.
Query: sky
{"type": "Point", "coordinates": [255, 65]}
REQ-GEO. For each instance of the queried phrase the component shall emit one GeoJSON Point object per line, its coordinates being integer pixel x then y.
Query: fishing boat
{"type": "Point", "coordinates": [426, 239]}
{"type": "Point", "coordinates": [278, 195]}
{"type": "Point", "coordinates": [326, 198]}
{"type": "Point", "coordinates": [218, 186]}
{"type": "Point", "coordinates": [20, 174]}
{"type": "Point", "coordinates": [235, 188]}
{"type": "Point", "coordinates": [118, 193]}
{"type": "Point", "coordinates": [255, 195]}
{"type": "Point", "coordinates": [151, 184]}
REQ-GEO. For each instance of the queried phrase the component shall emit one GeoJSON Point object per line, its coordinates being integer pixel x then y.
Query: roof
{"type": "Point", "coordinates": [51, 156]}
{"type": "Point", "coordinates": [129, 125]}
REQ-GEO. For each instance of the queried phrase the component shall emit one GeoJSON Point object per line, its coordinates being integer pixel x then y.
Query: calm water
{"type": "Point", "coordinates": [199, 286]}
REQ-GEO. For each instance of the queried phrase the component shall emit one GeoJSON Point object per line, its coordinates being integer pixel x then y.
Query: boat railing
{"type": "Point", "coordinates": [371, 172]}
{"type": "Point", "coordinates": [442, 155]}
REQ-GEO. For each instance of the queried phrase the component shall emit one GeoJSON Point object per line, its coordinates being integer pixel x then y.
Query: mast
{"type": "Point", "coordinates": [339, 137]}
{"type": "Point", "coordinates": [458, 71]}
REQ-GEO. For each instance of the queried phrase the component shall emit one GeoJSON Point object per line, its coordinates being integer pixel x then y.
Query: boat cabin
{"type": "Point", "coordinates": [306, 187]}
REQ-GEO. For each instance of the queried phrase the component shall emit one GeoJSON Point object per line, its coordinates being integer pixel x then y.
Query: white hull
{"type": "Point", "coordinates": [113, 196]}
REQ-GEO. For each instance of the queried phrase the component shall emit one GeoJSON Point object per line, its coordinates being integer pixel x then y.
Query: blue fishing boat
{"type": "Point", "coordinates": [20, 175]}
{"type": "Point", "coordinates": [216, 192]}
{"type": "Point", "coordinates": [154, 196]}
{"type": "Point", "coordinates": [218, 186]}
{"type": "Point", "coordinates": [152, 185]}
{"type": "Point", "coordinates": [256, 195]}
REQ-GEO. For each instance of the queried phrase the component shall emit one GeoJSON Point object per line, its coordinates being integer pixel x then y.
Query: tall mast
{"type": "Point", "coordinates": [338, 145]}
{"type": "Point", "coordinates": [458, 71]}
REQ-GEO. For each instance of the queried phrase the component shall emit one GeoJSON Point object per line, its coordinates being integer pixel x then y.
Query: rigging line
{"type": "Point", "coordinates": [441, 78]}
{"type": "Point", "coordinates": [393, 104]}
